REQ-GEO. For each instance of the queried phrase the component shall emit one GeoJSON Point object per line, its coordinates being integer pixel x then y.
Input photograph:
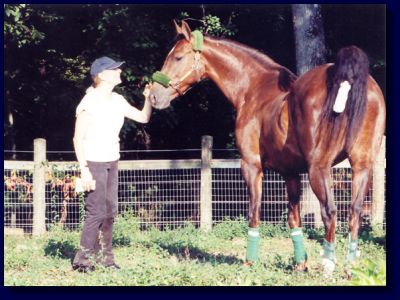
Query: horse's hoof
{"type": "Point", "coordinates": [328, 267]}
{"type": "Point", "coordinates": [301, 267]}
{"type": "Point", "coordinates": [348, 269]}
{"type": "Point", "coordinates": [248, 263]}
{"type": "Point", "coordinates": [347, 272]}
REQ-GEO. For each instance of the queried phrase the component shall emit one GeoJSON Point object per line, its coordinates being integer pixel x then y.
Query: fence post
{"type": "Point", "coordinates": [206, 183]}
{"type": "Point", "coordinates": [39, 187]}
{"type": "Point", "coordinates": [378, 187]}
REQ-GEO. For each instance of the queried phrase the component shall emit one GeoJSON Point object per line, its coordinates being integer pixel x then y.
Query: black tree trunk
{"type": "Point", "coordinates": [309, 36]}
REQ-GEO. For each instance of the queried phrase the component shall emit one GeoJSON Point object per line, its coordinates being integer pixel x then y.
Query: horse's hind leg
{"type": "Point", "coordinates": [293, 186]}
{"type": "Point", "coordinates": [252, 173]}
{"type": "Point", "coordinates": [360, 184]}
{"type": "Point", "coordinates": [320, 180]}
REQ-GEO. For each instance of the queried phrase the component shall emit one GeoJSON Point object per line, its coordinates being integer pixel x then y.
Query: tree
{"type": "Point", "coordinates": [309, 36]}
{"type": "Point", "coordinates": [48, 50]}
{"type": "Point", "coordinates": [18, 35]}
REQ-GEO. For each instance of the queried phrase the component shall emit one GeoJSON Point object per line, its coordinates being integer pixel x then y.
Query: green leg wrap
{"type": "Point", "coordinates": [329, 250]}
{"type": "Point", "coordinates": [352, 252]}
{"type": "Point", "coordinates": [300, 254]}
{"type": "Point", "coordinates": [253, 244]}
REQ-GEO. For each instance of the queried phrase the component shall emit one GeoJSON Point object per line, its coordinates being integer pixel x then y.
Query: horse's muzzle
{"type": "Point", "coordinates": [156, 103]}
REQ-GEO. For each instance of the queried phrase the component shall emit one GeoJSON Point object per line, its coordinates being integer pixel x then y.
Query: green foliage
{"type": "Point", "coordinates": [238, 227]}
{"type": "Point", "coordinates": [33, 69]}
{"type": "Point", "coordinates": [369, 272]}
{"type": "Point", "coordinates": [16, 29]}
{"type": "Point", "coordinates": [176, 239]}
{"type": "Point", "coordinates": [185, 256]}
{"type": "Point", "coordinates": [126, 226]}
{"type": "Point", "coordinates": [231, 228]}
{"type": "Point", "coordinates": [215, 27]}
{"type": "Point", "coordinates": [212, 24]}
{"type": "Point", "coordinates": [76, 69]}
{"type": "Point", "coordinates": [61, 248]}
{"type": "Point", "coordinates": [17, 188]}
{"type": "Point", "coordinates": [270, 230]}
{"type": "Point", "coordinates": [18, 255]}
{"type": "Point", "coordinates": [315, 233]}
{"type": "Point", "coordinates": [49, 49]}
{"type": "Point", "coordinates": [372, 233]}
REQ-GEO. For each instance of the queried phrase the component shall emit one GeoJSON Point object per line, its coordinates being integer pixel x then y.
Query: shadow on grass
{"type": "Point", "coordinates": [378, 240]}
{"type": "Point", "coordinates": [183, 253]}
{"type": "Point", "coordinates": [121, 241]}
{"type": "Point", "coordinates": [286, 266]}
{"type": "Point", "coordinates": [314, 233]}
{"type": "Point", "coordinates": [62, 249]}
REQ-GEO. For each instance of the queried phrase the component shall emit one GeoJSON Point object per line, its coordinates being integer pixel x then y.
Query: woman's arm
{"type": "Point", "coordinates": [81, 126]}
{"type": "Point", "coordinates": [142, 116]}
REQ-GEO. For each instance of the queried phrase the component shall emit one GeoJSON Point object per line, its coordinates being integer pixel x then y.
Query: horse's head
{"type": "Point", "coordinates": [182, 68]}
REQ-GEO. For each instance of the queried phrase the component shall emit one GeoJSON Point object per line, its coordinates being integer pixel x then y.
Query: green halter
{"type": "Point", "coordinates": [164, 79]}
{"type": "Point", "coordinates": [161, 78]}
{"type": "Point", "coordinates": [198, 40]}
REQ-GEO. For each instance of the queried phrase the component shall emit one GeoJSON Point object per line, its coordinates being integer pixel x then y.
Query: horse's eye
{"type": "Point", "coordinates": [179, 58]}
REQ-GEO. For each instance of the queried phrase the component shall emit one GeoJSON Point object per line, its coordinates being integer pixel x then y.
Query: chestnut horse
{"type": "Point", "coordinates": [287, 124]}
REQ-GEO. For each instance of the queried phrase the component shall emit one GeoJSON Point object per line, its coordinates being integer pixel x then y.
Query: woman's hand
{"type": "Point", "coordinates": [88, 183]}
{"type": "Point", "coordinates": [142, 116]}
{"type": "Point", "coordinates": [146, 91]}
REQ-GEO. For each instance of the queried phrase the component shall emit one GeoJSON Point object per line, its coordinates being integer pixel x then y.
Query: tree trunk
{"type": "Point", "coordinates": [309, 36]}
{"type": "Point", "coordinates": [310, 52]}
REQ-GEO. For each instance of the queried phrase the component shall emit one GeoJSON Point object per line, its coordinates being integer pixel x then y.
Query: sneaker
{"type": "Point", "coordinates": [113, 266]}
{"type": "Point", "coordinates": [83, 268]}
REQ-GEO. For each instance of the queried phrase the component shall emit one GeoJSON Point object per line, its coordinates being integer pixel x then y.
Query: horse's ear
{"type": "Point", "coordinates": [185, 30]}
{"type": "Point", "coordinates": [177, 28]}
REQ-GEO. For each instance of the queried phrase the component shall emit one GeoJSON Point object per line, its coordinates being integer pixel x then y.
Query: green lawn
{"type": "Point", "coordinates": [187, 257]}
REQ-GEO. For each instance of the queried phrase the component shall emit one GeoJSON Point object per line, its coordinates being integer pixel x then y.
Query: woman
{"type": "Point", "coordinates": [99, 119]}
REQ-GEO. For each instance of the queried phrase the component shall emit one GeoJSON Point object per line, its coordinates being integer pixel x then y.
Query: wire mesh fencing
{"type": "Point", "coordinates": [62, 204]}
{"type": "Point", "coordinates": [167, 193]}
{"type": "Point", "coordinates": [17, 195]}
{"type": "Point", "coordinates": [230, 198]}
{"type": "Point", "coordinates": [173, 192]}
{"type": "Point", "coordinates": [161, 196]}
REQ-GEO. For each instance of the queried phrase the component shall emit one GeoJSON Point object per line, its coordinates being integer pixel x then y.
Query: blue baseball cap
{"type": "Point", "coordinates": [104, 63]}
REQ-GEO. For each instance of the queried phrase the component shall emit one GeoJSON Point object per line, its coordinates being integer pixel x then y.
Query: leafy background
{"type": "Point", "coordinates": [48, 50]}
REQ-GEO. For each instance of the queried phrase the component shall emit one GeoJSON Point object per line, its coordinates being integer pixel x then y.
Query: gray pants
{"type": "Point", "coordinates": [101, 207]}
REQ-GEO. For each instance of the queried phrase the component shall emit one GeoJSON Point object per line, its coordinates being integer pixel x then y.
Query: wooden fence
{"type": "Point", "coordinates": [205, 165]}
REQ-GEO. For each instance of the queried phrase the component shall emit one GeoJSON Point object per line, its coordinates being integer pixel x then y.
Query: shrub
{"type": "Point", "coordinates": [17, 260]}
{"type": "Point", "coordinates": [369, 272]}
{"type": "Point", "coordinates": [63, 243]}
{"type": "Point", "coordinates": [126, 226]}
{"type": "Point", "coordinates": [271, 230]}
{"type": "Point", "coordinates": [231, 228]}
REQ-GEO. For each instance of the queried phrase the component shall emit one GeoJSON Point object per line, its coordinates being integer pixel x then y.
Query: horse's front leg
{"type": "Point", "coordinates": [293, 187]}
{"type": "Point", "coordinates": [248, 143]}
{"type": "Point", "coordinates": [252, 173]}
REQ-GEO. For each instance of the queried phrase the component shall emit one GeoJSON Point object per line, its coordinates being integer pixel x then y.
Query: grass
{"type": "Point", "coordinates": [187, 257]}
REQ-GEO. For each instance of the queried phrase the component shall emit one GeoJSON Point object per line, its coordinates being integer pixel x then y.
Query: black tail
{"type": "Point", "coordinates": [351, 64]}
